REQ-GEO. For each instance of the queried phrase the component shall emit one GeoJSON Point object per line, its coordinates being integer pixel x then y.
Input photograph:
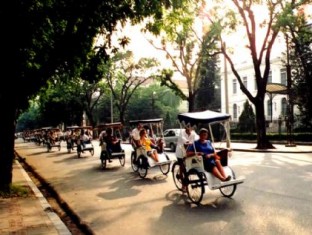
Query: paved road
{"type": "Point", "coordinates": [274, 199]}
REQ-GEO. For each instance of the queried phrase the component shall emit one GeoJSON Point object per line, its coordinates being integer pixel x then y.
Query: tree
{"type": "Point", "coordinates": [30, 119]}
{"type": "Point", "coordinates": [185, 46]}
{"type": "Point", "coordinates": [60, 102]}
{"type": "Point", "coordinates": [243, 14]}
{"type": "Point", "coordinates": [158, 103]}
{"type": "Point", "coordinates": [246, 121]}
{"type": "Point", "coordinates": [300, 34]}
{"type": "Point", "coordinates": [124, 76]}
{"type": "Point", "coordinates": [45, 38]}
{"type": "Point", "coordinates": [207, 96]}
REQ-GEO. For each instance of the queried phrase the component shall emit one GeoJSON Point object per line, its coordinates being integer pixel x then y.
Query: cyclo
{"type": "Point", "coordinates": [192, 173]}
{"type": "Point", "coordinates": [51, 138]}
{"type": "Point", "coordinates": [108, 150]}
{"type": "Point", "coordinates": [82, 144]}
{"type": "Point", "coordinates": [72, 134]}
{"type": "Point", "coordinates": [140, 161]}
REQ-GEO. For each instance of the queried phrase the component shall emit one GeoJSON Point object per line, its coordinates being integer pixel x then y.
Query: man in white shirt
{"type": "Point", "coordinates": [135, 133]}
{"type": "Point", "coordinates": [186, 137]}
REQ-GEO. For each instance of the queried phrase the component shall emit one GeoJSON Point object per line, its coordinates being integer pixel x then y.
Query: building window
{"type": "Point", "coordinates": [284, 107]}
{"type": "Point", "coordinates": [234, 111]}
{"type": "Point", "coordinates": [283, 77]}
{"type": "Point", "coordinates": [270, 77]}
{"type": "Point", "coordinates": [269, 108]}
{"type": "Point", "coordinates": [234, 86]}
{"type": "Point", "coordinates": [245, 82]}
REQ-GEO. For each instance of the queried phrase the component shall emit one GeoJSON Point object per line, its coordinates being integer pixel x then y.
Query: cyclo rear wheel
{"type": "Point", "coordinates": [228, 191]}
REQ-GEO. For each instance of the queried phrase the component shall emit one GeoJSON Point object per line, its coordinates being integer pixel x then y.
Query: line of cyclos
{"type": "Point", "coordinates": [78, 138]}
{"type": "Point", "coordinates": [190, 176]}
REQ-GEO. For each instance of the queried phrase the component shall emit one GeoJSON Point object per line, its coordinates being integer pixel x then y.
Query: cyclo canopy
{"type": "Point", "coordinates": [209, 118]}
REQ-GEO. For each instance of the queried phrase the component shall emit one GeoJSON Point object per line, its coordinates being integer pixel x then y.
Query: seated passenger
{"type": "Point", "coordinates": [160, 145]}
{"type": "Point", "coordinates": [84, 139]}
{"type": "Point", "coordinates": [204, 148]}
{"type": "Point", "coordinates": [149, 146]}
{"type": "Point", "coordinates": [52, 137]}
{"type": "Point", "coordinates": [113, 144]}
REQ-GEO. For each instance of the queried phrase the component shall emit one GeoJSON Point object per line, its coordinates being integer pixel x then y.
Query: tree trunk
{"type": "Point", "coordinates": [7, 138]}
{"type": "Point", "coordinates": [191, 101]}
{"type": "Point", "coordinates": [122, 116]}
{"type": "Point", "coordinates": [262, 140]}
{"type": "Point", "coordinates": [90, 118]}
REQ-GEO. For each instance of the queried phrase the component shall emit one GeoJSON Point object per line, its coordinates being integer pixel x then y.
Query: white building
{"type": "Point", "coordinates": [234, 104]}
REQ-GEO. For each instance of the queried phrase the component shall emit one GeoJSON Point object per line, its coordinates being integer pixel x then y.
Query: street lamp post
{"type": "Point", "coordinates": [153, 103]}
{"type": "Point", "coordinates": [290, 119]}
{"type": "Point", "coordinates": [111, 107]}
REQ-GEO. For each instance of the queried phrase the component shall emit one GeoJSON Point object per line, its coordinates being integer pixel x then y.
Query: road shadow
{"type": "Point", "coordinates": [188, 218]}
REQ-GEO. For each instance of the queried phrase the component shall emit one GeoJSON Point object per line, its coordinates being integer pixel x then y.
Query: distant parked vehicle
{"type": "Point", "coordinates": [171, 138]}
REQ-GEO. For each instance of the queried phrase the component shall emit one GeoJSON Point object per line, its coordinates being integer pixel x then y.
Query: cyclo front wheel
{"type": "Point", "coordinates": [165, 168]}
{"type": "Point", "coordinates": [134, 163]}
{"type": "Point", "coordinates": [195, 186]}
{"type": "Point", "coordinates": [122, 160]}
{"type": "Point", "coordinates": [142, 166]}
{"type": "Point", "coordinates": [177, 176]}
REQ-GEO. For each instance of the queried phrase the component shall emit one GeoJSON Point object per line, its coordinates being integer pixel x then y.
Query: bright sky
{"type": "Point", "coordinates": [142, 48]}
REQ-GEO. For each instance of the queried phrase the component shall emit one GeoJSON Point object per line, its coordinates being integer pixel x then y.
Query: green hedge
{"type": "Point", "coordinates": [303, 137]}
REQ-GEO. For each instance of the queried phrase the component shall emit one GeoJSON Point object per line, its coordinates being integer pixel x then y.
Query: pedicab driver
{"type": "Point", "coordinates": [185, 139]}
{"type": "Point", "coordinates": [135, 134]}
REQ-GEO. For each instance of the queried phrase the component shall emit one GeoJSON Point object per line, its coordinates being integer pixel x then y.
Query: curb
{"type": "Point", "coordinates": [84, 227]}
{"type": "Point", "coordinates": [55, 219]}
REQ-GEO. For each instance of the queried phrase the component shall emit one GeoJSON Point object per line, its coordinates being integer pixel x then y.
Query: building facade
{"type": "Point", "coordinates": [276, 104]}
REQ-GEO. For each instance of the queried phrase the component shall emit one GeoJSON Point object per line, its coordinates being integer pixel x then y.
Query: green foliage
{"type": "Point", "coordinates": [154, 102]}
{"type": "Point", "coordinates": [124, 76]}
{"type": "Point", "coordinates": [62, 103]}
{"type": "Point", "coordinates": [301, 67]}
{"type": "Point", "coordinates": [166, 79]}
{"type": "Point", "coordinates": [30, 119]}
{"type": "Point", "coordinates": [207, 97]}
{"type": "Point", "coordinates": [54, 39]}
{"type": "Point", "coordinates": [58, 37]}
{"type": "Point", "coordinates": [183, 43]}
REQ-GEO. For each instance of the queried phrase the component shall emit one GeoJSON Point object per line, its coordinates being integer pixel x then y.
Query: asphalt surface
{"type": "Point", "coordinates": [117, 201]}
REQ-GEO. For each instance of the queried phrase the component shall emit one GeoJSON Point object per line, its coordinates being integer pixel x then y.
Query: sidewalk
{"type": "Point", "coordinates": [31, 215]}
{"type": "Point", "coordinates": [279, 148]}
